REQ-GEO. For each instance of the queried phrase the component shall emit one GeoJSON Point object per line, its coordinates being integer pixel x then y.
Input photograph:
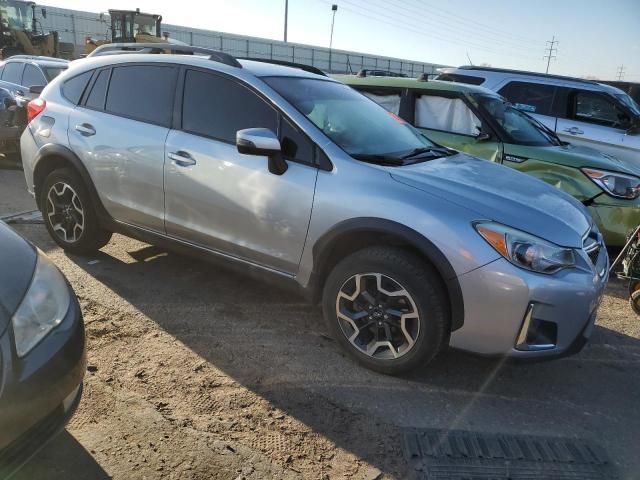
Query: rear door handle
{"type": "Point", "coordinates": [573, 131]}
{"type": "Point", "coordinates": [181, 158]}
{"type": "Point", "coordinates": [86, 129]}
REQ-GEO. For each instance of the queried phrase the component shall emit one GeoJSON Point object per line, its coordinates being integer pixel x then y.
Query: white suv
{"type": "Point", "coordinates": [580, 111]}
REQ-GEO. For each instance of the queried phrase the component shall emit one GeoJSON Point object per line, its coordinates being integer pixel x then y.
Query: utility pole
{"type": "Point", "coordinates": [286, 18]}
{"type": "Point", "coordinates": [334, 9]}
{"type": "Point", "coordinates": [620, 72]}
{"type": "Point", "coordinates": [550, 49]}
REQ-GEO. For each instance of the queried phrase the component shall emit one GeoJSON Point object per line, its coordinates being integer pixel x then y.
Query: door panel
{"type": "Point", "coordinates": [125, 160]}
{"type": "Point", "coordinates": [605, 139]}
{"type": "Point", "coordinates": [230, 202]}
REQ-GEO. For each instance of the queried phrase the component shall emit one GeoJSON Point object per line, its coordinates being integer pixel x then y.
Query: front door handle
{"type": "Point", "coordinates": [86, 129]}
{"type": "Point", "coordinates": [181, 158]}
{"type": "Point", "coordinates": [573, 131]}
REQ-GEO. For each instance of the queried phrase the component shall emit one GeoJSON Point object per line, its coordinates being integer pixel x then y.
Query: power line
{"type": "Point", "coordinates": [550, 49]}
{"type": "Point", "coordinates": [620, 72]}
{"type": "Point", "coordinates": [403, 25]}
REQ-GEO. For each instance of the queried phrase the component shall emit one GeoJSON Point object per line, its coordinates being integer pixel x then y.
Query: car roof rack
{"type": "Point", "coordinates": [379, 73]}
{"type": "Point", "coordinates": [161, 48]}
{"type": "Point", "coordinates": [38, 57]}
{"type": "Point", "coordinates": [284, 63]}
{"type": "Point", "coordinates": [524, 72]}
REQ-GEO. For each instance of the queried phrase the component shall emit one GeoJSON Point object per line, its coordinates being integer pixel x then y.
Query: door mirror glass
{"type": "Point", "coordinates": [262, 142]}
{"type": "Point", "coordinates": [37, 89]}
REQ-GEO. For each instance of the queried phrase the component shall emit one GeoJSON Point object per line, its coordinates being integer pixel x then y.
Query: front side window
{"type": "Point", "coordinates": [32, 76]}
{"type": "Point", "coordinates": [142, 92]}
{"type": "Point", "coordinates": [359, 126]}
{"type": "Point", "coordinates": [218, 107]}
{"type": "Point", "coordinates": [530, 97]}
{"type": "Point", "coordinates": [13, 72]}
{"type": "Point", "coordinates": [517, 127]}
{"type": "Point", "coordinates": [596, 108]}
{"type": "Point", "coordinates": [446, 114]}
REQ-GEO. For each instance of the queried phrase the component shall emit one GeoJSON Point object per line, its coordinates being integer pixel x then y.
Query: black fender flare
{"type": "Point", "coordinates": [372, 225]}
{"type": "Point", "coordinates": [51, 150]}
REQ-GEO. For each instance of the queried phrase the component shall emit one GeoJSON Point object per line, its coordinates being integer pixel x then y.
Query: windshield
{"type": "Point", "coordinates": [16, 15]}
{"type": "Point", "coordinates": [52, 72]}
{"type": "Point", "coordinates": [356, 124]}
{"type": "Point", "coordinates": [516, 126]}
{"type": "Point", "coordinates": [629, 102]}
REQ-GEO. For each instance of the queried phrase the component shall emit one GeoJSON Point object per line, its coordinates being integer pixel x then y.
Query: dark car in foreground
{"type": "Point", "coordinates": [42, 351]}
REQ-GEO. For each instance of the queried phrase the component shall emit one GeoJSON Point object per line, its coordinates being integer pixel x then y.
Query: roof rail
{"type": "Point", "coordinates": [162, 48]}
{"type": "Point", "coordinates": [301, 66]}
{"type": "Point", "coordinates": [524, 72]}
{"type": "Point", "coordinates": [38, 57]}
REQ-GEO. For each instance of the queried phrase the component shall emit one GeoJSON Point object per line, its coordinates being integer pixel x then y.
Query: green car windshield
{"type": "Point", "coordinates": [515, 126]}
{"type": "Point", "coordinates": [358, 125]}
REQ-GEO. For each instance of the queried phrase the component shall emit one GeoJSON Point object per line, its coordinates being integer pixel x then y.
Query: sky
{"type": "Point", "coordinates": [595, 37]}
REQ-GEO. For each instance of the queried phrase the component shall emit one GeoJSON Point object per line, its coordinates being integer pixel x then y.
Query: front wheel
{"type": "Point", "coordinates": [69, 214]}
{"type": "Point", "coordinates": [387, 308]}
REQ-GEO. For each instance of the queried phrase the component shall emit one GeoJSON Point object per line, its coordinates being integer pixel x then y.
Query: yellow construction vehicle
{"type": "Point", "coordinates": [19, 31]}
{"type": "Point", "coordinates": [129, 26]}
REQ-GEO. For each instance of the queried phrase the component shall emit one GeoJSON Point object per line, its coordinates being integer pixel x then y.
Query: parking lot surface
{"type": "Point", "coordinates": [196, 372]}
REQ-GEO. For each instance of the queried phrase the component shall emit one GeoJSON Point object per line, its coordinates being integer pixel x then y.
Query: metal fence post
{"type": "Point", "coordinates": [73, 29]}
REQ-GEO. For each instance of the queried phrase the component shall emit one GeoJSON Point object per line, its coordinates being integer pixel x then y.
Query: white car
{"type": "Point", "coordinates": [582, 112]}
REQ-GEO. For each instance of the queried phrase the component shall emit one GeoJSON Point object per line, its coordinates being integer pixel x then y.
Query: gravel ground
{"type": "Point", "coordinates": [196, 372]}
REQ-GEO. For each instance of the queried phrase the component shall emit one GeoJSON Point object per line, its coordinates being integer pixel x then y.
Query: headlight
{"type": "Point", "coordinates": [43, 307]}
{"type": "Point", "coordinates": [524, 250]}
{"type": "Point", "coordinates": [617, 185]}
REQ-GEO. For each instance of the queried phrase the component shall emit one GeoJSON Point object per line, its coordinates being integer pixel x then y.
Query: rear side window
{"type": "Point", "coordinates": [32, 76]}
{"type": "Point", "coordinates": [98, 91]}
{"type": "Point", "coordinates": [530, 97]}
{"type": "Point", "coordinates": [456, 77]}
{"type": "Point", "coordinates": [446, 114]}
{"type": "Point", "coordinates": [143, 92]}
{"type": "Point", "coordinates": [13, 72]}
{"type": "Point", "coordinates": [596, 108]}
{"type": "Point", "coordinates": [389, 101]}
{"type": "Point", "coordinates": [74, 87]}
{"type": "Point", "coordinates": [217, 107]}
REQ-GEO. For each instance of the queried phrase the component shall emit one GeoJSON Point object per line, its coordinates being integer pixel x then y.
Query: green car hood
{"type": "Point", "coordinates": [573, 156]}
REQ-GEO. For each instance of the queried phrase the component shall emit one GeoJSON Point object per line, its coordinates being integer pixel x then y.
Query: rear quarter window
{"type": "Point", "coordinates": [73, 88]}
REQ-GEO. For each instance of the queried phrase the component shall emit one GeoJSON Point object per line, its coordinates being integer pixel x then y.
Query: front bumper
{"type": "Point", "coordinates": [561, 308]}
{"type": "Point", "coordinates": [40, 392]}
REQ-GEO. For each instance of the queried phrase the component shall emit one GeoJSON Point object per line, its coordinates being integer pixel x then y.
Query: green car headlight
{"type": "Point", "coordinates": [619, 185]}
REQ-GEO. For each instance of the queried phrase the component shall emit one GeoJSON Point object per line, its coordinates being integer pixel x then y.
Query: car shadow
{"type": "Point", "coordinates": [275, 344]}
{"type": "Point", "coordinates": [63, 458]}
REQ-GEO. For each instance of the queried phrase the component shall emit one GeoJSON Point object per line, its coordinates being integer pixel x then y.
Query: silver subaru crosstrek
{"type": "Point", "coordinates": [282, 171]}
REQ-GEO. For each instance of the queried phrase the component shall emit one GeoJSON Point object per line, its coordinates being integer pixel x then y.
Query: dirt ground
{"type": "Point", "coordinates": [199, 373]}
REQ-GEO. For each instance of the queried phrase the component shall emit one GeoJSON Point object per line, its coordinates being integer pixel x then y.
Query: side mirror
{"type": "Point", "coordinates": [483, 137]}
{"type": "Point", "coordinates": [262, 142]}
{"type": "Point", "coordinates": [37, 89]}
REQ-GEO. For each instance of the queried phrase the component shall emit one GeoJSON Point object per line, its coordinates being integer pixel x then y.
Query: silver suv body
{"type": "Point", "coordinates": [583, 112]}
{"type": "Point", "coordinates": [410, 247]}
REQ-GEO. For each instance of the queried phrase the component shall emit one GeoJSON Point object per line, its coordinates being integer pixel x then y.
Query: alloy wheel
{"type": "Point", "coordinates": [378, 315]}
{"type": "Point", "coordinates": [65, 212]}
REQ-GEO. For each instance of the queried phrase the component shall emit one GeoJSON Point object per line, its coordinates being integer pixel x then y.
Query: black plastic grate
{"type": "Point", "coordinates": [459, 455]}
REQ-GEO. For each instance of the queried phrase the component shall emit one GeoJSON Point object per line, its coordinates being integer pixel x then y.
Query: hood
{"type": "Point", "coordinates": [575, 156]}
{"type": "Point", "coordinates": [501, 194]}
{"type": "Point", "coordinates": [17, 263]}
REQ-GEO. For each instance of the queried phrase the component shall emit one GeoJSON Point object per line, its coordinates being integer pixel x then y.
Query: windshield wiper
{"type": "Point", "coordinates": [442, 151]}
{"type": "Point", "coordinates": [544, 128]}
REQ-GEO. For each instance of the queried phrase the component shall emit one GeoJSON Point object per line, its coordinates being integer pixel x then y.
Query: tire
{"type": "Point", "coordinates": [634, 302]}
{"type": "Point", "coordinates": [69, 215]}
{"type": "Point", "coordinates": [423, 311]}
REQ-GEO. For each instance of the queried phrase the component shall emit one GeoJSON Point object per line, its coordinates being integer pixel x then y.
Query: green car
{"type": "Point", "coordinates": [480, 122]}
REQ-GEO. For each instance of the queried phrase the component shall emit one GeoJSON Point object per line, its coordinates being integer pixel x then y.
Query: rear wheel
{"type": "Point", "coordinates": [387, 309]}
{"type": "Point", "coordinates": [69, 214]}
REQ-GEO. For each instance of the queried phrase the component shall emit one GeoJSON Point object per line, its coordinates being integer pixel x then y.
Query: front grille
{"type": "Point", "coordinates": [592, 246]}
